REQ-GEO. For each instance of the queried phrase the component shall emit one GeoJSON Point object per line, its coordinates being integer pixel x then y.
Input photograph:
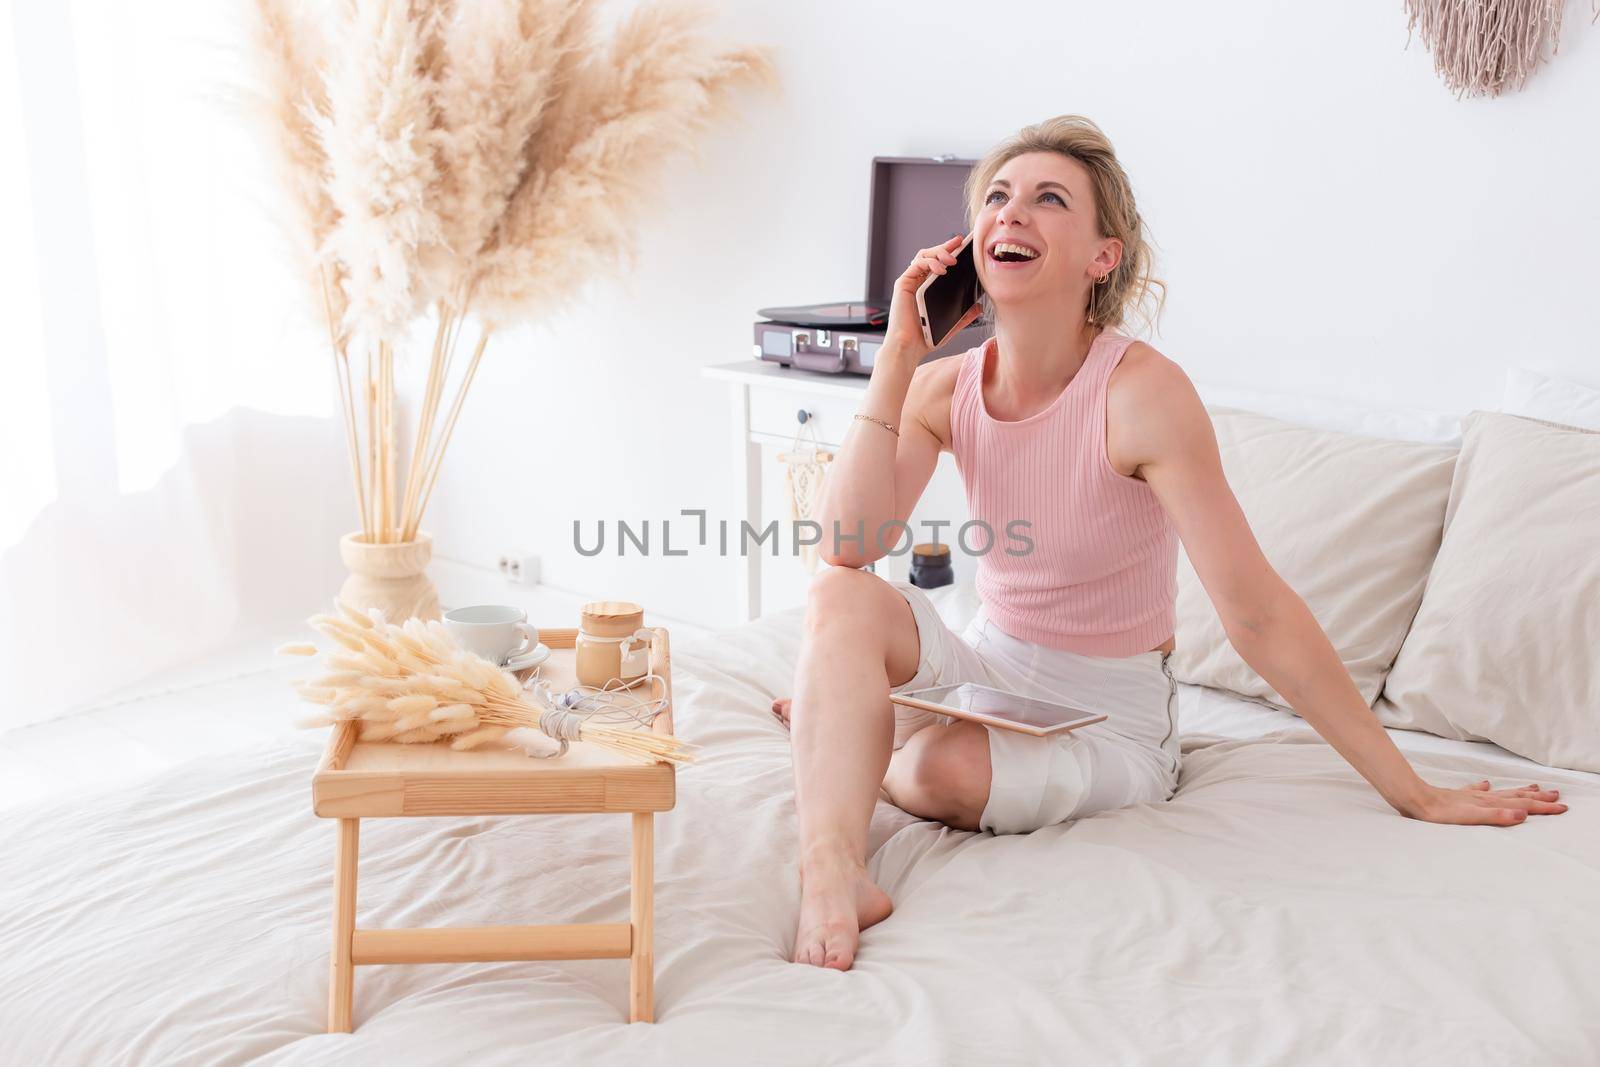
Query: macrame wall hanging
{"type": "Point", "coordinates": [805, 465]}
{"type": "Point", "coordinates": [1481, 47]}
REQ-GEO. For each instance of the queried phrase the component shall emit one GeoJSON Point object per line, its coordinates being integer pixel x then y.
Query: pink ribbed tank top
{"type": "Point", "coordinates": [1101, 577]}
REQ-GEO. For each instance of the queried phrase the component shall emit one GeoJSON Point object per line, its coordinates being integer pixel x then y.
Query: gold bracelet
{"type": "Point", "coordinates": [880, 422]}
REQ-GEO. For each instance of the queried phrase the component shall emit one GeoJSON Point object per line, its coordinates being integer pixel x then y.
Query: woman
{"type": "Point", "coordinates": [1102, 446]}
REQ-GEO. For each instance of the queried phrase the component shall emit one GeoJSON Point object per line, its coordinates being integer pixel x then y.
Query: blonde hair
{"type": "Point", "coordinates": [1131, 282]}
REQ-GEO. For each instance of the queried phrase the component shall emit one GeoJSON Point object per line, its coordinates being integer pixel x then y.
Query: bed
{"type": "Point", "coordinates": [1274, 910]}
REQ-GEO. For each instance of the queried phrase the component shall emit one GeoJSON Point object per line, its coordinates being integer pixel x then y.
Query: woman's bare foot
{"type": "Point", "coordinates": [837, 901]}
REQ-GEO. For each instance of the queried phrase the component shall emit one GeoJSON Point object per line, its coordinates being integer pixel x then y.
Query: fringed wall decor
{"type": "Point", "coordinates": [1481, 47]}
{"type": "Point", "coordinates": [805, 466]}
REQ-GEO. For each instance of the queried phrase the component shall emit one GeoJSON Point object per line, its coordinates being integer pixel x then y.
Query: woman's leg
{"type": "Point", "coordinates": [860, 639]}
{"type": "Point", "coordinates": [943, 774]}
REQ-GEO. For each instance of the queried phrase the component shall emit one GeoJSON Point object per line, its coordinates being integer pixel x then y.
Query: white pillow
{"type": "Point", "coordinates": [1350, 522]}
{"type": "Point", "coordinates": [1401, 424]}
{"type": "Point", "coordinates": [1538, 396]}
{"type": "Point", "coordinates": [1504, 646]}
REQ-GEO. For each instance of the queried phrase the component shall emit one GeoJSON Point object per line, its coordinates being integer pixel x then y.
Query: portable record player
{"type": "Point", "coordinates": [916, 202]}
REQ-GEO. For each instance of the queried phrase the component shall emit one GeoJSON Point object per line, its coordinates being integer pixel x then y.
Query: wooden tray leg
{"type": "Point", "coordinates": [341, 979]}
{"type": "Point", "coordinates": [642, 965]}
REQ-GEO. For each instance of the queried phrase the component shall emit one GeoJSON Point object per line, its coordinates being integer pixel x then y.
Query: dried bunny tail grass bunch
{"type": "Point", "coordinates": [1480, 48]}
{"type": "Point", "coordinates": [621, 116]}
{"type": "Point", "coordinates": [412, 683]}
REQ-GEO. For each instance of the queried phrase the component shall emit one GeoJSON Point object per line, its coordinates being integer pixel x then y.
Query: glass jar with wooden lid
{"type": "Point", "coordinates": [611, 644]}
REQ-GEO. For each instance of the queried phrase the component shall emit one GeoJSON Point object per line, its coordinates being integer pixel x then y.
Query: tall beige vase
{"type": "Point", "coordinates": [392, 577]}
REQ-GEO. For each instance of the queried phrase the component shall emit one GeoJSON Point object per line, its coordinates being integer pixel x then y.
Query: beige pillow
{"type": "Point", "coordinates": [1350, 522]}
{"type": "Point", "coordinates": [1506, 644]}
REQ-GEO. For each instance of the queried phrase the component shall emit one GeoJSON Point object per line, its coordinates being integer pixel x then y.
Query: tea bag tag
{"type": "Point", "coordinates": [634, 659]}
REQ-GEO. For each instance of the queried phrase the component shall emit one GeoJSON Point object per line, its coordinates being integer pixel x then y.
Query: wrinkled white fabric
{"type": "Point", "coordinates": [1274, 910]}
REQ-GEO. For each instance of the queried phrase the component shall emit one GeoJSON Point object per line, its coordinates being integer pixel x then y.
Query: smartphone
{"type": "Point", "coordinates": [996, 707]}
{"type": "Point", "coordinates": [943, 298]}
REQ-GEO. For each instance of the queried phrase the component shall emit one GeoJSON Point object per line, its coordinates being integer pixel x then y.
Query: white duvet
{"type": "Point", "coordinates": [1274, 911]}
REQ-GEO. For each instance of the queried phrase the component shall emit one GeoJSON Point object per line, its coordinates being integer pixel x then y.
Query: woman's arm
{"type": "Point", "coordinates": [878, 477]}
{"type": "Point", "coordinates": [1163, 429]}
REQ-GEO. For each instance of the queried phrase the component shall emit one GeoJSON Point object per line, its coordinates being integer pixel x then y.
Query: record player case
{"type": "Point", "coordinates": [915, 202]}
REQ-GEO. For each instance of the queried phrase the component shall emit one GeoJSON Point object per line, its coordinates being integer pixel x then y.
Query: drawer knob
{"type": "Point", "coordinates": [802, 416]}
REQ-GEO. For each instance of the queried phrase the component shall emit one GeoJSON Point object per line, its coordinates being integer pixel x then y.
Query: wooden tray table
{"type": "Point", "coordinates": [384, 779]}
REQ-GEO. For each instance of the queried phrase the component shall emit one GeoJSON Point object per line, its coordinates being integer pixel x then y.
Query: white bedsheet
{"type": "Point", "coordinates": [1275, 910]}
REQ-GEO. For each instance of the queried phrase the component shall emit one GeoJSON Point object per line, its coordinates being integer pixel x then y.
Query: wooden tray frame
{"type": "Point", "coordinates": [356, 780]}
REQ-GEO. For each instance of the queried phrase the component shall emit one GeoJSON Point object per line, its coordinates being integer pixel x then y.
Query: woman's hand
{"type": "Point", "coordinates": [1478, 804]}
{"type": "Point", "coordinates": [903, 335]}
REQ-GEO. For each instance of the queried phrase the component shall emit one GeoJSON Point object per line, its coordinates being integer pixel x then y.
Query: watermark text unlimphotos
{"type": "Point", "coordinates": [892, 537]}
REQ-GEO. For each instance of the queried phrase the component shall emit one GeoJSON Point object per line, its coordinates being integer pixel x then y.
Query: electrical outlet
{"type": "Point", "coordinates": [519, 568]}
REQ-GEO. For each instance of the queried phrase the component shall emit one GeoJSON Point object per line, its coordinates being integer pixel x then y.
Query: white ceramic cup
{"type": "Point", "coordinates": [498, 632]}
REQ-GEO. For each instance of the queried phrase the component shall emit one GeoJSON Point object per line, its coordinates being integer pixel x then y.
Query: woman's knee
{"type": "Point", "coordinates": [860, 611]}
{"type": "Point", "coordinates": [837, 593]}
{"type": "Point", "coordinates": [943, 773]}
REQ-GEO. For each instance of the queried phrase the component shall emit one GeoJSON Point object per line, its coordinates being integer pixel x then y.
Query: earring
{"type": "Point", "coordinates": [1103, 278]}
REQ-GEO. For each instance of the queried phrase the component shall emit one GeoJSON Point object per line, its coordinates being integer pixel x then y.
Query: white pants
{"type": "Point", "coordinates": [1130, 758]}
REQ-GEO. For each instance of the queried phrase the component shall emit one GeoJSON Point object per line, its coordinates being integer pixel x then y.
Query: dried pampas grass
{"type": "Point", "coordinates": [413, 684]}
{"type": "Point", "coordinates": [1481, 47]}
{"type": "Point", "coordinates": [292, 102]}
{"type": "Point", "coordinates": [380, 136]}
{"type": "Point", "coordinates": [648, 97]}
{"type": "Point", "coordinates": [468, 160]}
{"type": "Point", "coordinates": [501, 65]}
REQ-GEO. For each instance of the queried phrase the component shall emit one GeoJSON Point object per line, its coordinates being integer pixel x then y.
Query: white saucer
{"type": "Point", "coordinates": [538, 655]}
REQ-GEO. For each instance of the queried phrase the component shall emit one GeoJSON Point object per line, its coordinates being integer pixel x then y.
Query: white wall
{"type": "Point", "coordinates": [1330, 220]}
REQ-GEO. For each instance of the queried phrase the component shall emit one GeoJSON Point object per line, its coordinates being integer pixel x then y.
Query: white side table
{"type": "Point", "coordinates": [767, 403]}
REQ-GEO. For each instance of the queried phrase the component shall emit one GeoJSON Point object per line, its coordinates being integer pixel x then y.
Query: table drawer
{"type": "Point", "coordinates": [776, 412]}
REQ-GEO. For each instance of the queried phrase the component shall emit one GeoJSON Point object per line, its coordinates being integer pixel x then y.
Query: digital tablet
{"type": "Point", "coordinates": [997, 707]}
